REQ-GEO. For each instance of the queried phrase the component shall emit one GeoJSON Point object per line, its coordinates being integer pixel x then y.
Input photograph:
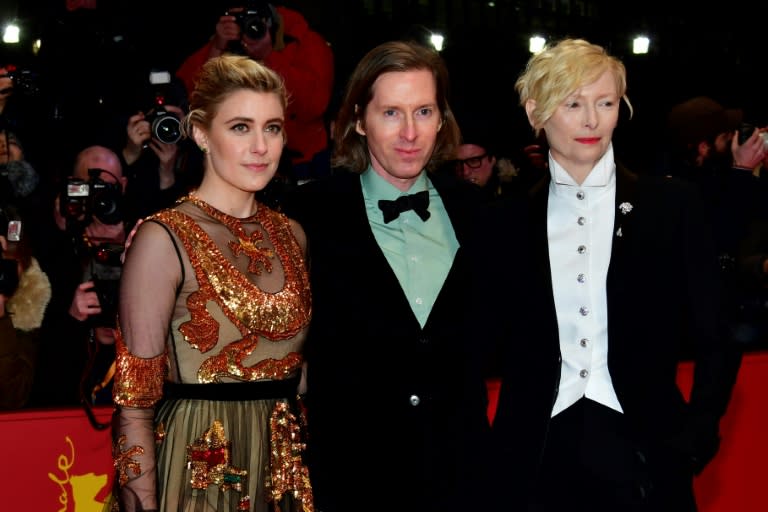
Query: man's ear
{"type": "Point", "coordinates": [530, 107]}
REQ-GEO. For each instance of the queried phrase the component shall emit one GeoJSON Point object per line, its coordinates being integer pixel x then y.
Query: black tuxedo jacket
{"type": "Point", "coordinates": [663, 293]}
{"type": "Point", "coordinates": [390, 404]}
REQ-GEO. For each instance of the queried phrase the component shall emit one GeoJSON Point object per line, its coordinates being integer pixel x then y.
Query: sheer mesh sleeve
{"type": "Point", "coordinates": [151, 275]}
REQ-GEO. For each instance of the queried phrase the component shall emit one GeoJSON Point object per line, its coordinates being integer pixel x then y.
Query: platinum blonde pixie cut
{"type": "Point", "coordinates": [560, 70]}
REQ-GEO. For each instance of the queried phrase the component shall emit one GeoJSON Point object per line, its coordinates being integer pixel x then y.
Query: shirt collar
{"type": "Point", "coordinates": [375, 187]}
{"type": "Point", "coordinates": [601, 175]}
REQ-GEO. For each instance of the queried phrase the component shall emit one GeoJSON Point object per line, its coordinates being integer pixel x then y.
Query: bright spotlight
{"type": "Point", "coordinates": [640, 45]}
{"type": "Point", "coordinates": [536, 44]}
{"type": "Point", "coordinates": [437, 41]}
{"type": "Point", "coordinates": [11, 33]}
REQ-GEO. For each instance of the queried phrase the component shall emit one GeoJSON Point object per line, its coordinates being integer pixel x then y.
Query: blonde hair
{"type": "Point", "coordinates": [222, 76]}
{"type": "Point", "coordinates": [558, 71]}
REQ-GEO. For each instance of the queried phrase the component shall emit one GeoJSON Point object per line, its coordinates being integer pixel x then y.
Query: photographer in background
{"type": "Point", "coordinates": [705, 147]}
{"type": "Point", "coordinates": [24, 288]}
{"type": "Point", "coordinates": [155, 158]}
{"type": "Point", "coordinates": [282, 39]}
{"type": "Point", "coordinates": [86, 238]}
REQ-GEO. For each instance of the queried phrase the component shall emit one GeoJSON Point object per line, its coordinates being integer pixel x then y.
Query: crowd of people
{"type": "Point", "coordinates": [296, 305]}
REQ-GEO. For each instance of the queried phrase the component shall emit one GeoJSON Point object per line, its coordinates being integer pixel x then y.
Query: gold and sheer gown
{"type": "Point", "coordinates": [208, 416]}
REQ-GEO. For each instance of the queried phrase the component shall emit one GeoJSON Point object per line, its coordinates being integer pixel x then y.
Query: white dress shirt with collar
{"type": "Point", "coordinates": [580, 232]}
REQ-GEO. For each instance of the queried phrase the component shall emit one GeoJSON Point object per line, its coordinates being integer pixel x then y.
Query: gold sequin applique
{"type": "Point", "coordinates": [209, 458]}
{"type": "Point", "coordinates": [123, 460]}
{"type": "Point", "coordinates": [255, 313]}
{"type": "Point", "coordinates": [138, 381]}
{"type": "Point", "coordinates": [288, 472]}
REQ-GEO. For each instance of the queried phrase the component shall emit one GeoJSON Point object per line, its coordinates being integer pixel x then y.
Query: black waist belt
{"type": "Point", "coordinates": [233, 391]}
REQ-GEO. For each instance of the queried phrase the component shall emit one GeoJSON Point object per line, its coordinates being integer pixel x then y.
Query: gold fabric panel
{"type": "Point", "coordinates": [288, 472]}
{"type": "Point", "coordinates": [138, 381]}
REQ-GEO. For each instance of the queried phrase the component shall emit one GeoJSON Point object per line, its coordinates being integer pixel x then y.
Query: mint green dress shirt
{"type": "Point", "coordinates": [420, 252]}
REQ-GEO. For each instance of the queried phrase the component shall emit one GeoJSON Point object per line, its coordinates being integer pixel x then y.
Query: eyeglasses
{"type": "Point", "coordinates": [472, 162]}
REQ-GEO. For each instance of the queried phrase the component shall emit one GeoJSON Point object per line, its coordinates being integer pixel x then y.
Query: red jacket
{"type": "Point", "coordinates": [306, 64]}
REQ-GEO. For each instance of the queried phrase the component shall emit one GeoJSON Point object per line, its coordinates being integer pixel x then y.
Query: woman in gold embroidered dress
{"type": "Point", "coordinates": [214, 308]}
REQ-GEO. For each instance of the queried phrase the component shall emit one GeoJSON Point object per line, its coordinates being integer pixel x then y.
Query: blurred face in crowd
{"type": "Point", "coordinates": [257, 49]}
{"type": "Point", "coordinates": [581, 127]}
{"type": "Point", "coordinates": [6, 84]}
{"type": "Point", "coordinates": [100, 158]}
{"type": "Point", "coordinates": [401, 124]}
{"type": "Point", "coordinates": [9, 151]}
{"type": "Point", "coordinates": [244, 142]}
{"type": "Point", "coordinates": [474, 164]}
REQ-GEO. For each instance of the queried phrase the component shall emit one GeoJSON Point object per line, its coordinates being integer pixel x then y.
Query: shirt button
{"type": "Point", "coordinates": [581, 278]}
{"type": "Point", "coordinates": [582, 249]}
{"type": "Point", "coordinates": [415, 400]}
{"type": "Point", "coordinates": [580, 195]}
{"type": "Point", "coordinates": [419, 301]}
{"type": "Point", "coordinates": [584, 374]}
{"type": "Point", "coordinates": [414, 258]}
{"type": "Point", "coordinates": [583, 342]}
{"type": "Point", "coordinates": [582, 221]}
{"type": "Point", "coordinates": [584, 310]}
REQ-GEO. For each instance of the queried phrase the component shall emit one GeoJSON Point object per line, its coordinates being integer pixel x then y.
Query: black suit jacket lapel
{"type": "Point", "coordinates": [623, 224]}
{"type": "Point", "coordinates": [539, 236]}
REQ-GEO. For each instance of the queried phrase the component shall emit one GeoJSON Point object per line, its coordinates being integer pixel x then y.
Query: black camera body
{"type": "Point", "coordinates": [747, 129]}
{"type": "Point", "coordinates": [255, 20]}
{"type": "Point", "coordinates": [82, 200]}
{"type": "Point", "coordinates": [105, 270]}
{"type": "Point", "coordinates": [164, 126]}
{"type": "Point", "coordinates": [24, 81]}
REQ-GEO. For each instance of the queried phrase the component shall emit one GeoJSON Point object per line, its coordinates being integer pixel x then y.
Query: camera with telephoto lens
{"type": "Point", "coordinates": [82, 200]}
{"type": "Point", "coordinates": [747, 129]}
{"type": "Point", "coordinates": [164, 126]}
{"type": "Point", "coordinates": [105, 270]}
{"type": "Point", "coordinates": [255, 19]}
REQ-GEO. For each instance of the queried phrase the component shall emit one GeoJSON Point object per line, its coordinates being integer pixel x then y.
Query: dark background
{"type": "Point", "coordinates": [717, 50]}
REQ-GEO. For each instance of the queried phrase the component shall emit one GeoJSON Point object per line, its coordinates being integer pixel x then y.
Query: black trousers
{"type": "Point", "coordinates": [590, 463]}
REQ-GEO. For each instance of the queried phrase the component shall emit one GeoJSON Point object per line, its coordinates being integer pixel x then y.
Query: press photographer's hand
{"type": "Point", "coordinates": [85, 302]}
{"type": "Point", "coordinates": [227, 30]}
{"type": "Point", "coordinates": [137, 131]}
{"type": "Point", "coordinates": [749, 153]}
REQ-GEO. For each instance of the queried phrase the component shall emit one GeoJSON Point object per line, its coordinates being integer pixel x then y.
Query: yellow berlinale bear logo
{"type": "Point", "coordinates": [81, 489]}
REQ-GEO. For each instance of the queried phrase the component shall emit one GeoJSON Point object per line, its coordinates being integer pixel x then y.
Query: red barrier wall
{"type": "Point", "coordinates": [55, 461]}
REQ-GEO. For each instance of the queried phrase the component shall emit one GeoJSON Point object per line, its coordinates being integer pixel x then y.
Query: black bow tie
{"type": "Point", "coordinates": [418, 202]}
